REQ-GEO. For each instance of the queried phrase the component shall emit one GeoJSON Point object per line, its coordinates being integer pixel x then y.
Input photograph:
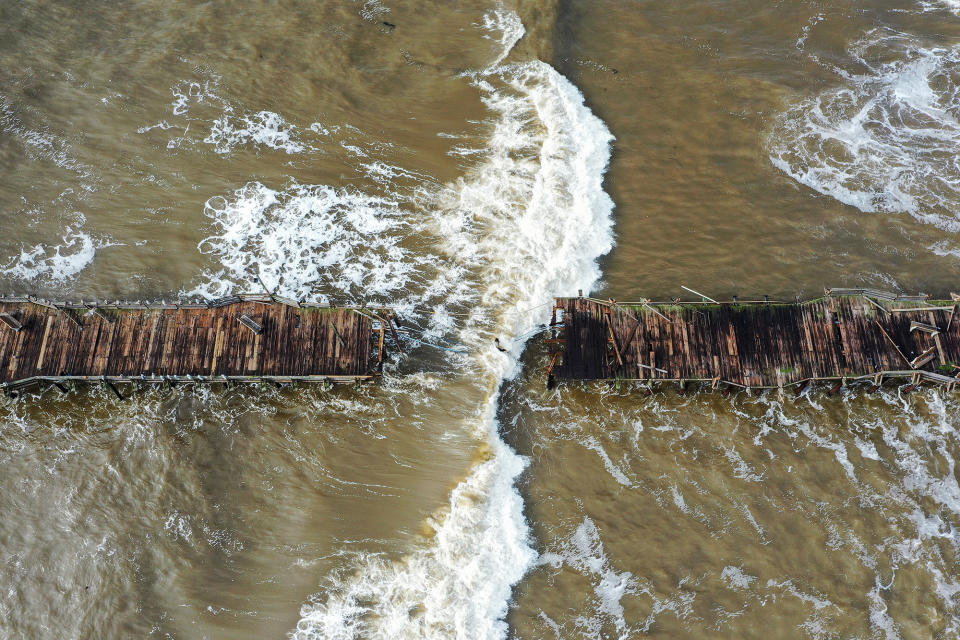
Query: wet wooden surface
{"type": "Point", "coordinates": [755, 345]}
{"type": "Point", "coordinates": [179, 342]}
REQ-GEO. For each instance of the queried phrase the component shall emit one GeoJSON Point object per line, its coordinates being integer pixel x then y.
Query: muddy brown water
{"type": "Point", "coordinates": [428, 156]}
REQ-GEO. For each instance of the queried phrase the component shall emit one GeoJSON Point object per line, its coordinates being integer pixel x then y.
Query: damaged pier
{"type": "Point", "coordinates": [243, 338]}
{"type": "Point", "coordinates": [848, 335]}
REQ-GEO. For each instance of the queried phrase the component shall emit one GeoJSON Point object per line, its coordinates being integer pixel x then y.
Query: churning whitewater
{"type": "Point", "coordinates": [884, 140]}
{"type": "Point", "coordinates": [515, 221]}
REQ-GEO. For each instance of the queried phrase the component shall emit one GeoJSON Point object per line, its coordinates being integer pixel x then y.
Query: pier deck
{"type": "Point", "coordinates": [241, 338]}
{"type": "Point", "coordinates": [848, 334]}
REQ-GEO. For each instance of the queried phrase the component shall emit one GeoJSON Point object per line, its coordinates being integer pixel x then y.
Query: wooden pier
{"type": "Point", "coordinates": [846, 336]}
{"type": "Point", "coordinates": [245, 338]}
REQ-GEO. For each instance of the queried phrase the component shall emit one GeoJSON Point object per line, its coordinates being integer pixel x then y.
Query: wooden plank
{"type": "Point", "coordinates": [10, 322]}
{"type": "Point", "coordinates": [43, 345]}
{"type": "Point", "coordinates": [250, 323]}
{"type": "Point", "coordinates": [758, 345]}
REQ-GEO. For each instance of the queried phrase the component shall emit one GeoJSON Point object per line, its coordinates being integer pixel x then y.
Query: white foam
{"type": "Point", "coordinates": [805, 32]}
{"type": "Point", "coordinates": [944, 249]}
{"type": "Point", "coordinates": [880, 620]}
{"type": "Point", "coordinates": [373, 10]}
{"type": "Point", "coordinates": [53, 264]}
{"type": "Point", "coordinates": [584, 552]}
{"type": "Point", "coordinates": [884, 140]}
{"type": "Point", "coordinates": [517, 221]}
{"type": "Point", "coordinates": [226, 128]}
{"type": "Point", "coordinates": [506, 29]}
{"type": "Point", "coordinates": [307, 239]}
{"type": "Point", "coordinates": [913, 430]}
{"type": "Point", "coordinates": [264, 128]}
{"type": "Point", "coordinates": [736, 578]}
{"type": "Point", "coordinates": [615, 472]}
{"type": "Point", "coordinates": [941, 5]}
{"type": "Point", "coordinates": [742, 470]}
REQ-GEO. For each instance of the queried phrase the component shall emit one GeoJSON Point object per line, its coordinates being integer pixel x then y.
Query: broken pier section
{"type": "Point", "coordinates": [847, 335]}
{"type": "Point", "coordinates": [243, 338]}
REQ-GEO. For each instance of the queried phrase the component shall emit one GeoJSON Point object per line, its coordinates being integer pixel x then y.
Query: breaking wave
{"type": "Point", "coordinates": [528, 221]}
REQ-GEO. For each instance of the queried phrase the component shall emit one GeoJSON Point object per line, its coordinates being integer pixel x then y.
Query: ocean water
{"type": "Point", "coordinates": [465, 164]}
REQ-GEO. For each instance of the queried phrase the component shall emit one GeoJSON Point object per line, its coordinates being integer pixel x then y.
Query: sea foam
{"type": "Point", "coordinates": [885, 138]}
{"type": "Point", "coordinates": [529, 220]}
{"type": "Point", "coordinates": [53, 263]}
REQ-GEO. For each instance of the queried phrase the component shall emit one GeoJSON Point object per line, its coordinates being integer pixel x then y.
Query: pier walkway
{"type": "Point", "coordinates": [236, 339]}
{"type": "Point", "coordinates": [847, 335]}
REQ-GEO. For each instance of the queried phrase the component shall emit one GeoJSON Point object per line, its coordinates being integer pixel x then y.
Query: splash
{"type": "Point", "coordinates": [308, 238]}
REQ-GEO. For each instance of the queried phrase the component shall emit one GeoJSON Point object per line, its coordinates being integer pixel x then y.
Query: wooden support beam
{"type": "Point", "coordinates": [553, 363]}
{"type": "Point", "coordinates": [633, 334]}
{"type": "Point", "coordinates": [250, 323]}
{"type": "Point", "coordinates": [887, 336]}
{"type": "Point", "coordinates": [70, 314]}
{"type": "Point", "coordinates": [923, 358]}
{"type": "Point", "coordinates": [922, 326]}
{"type": "Point", "coordinates": [393, 332]}
{"type": "Point", "coordinates": [940, 352]}
{"type": "Point", "coordinates": [613, 339]}
{"type": "Point", "coordinates": [646, 304]}
{"type": "Point", "coordinates": [116, 391]}
{"type": "Point", "coordinates": [336, 332]}
{"type": "Point", "coordinates": [383, 333]}
{"type": "Point", "coordinates": [876, 304]}
{"type": "Point", "coordinates": [10, 322]}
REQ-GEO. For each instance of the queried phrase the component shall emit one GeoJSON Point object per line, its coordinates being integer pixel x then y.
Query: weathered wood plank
{"type": "Point", "coordinates": [315, 342]}
{"type": "Point", "coordinates": [755, 345]}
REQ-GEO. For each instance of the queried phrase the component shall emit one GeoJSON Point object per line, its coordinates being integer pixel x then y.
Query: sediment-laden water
{"type": "Point", "coordinates": [465, 163]}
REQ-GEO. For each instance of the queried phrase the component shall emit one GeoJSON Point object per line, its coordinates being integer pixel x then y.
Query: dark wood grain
{"type": "Point", "coordinates": [295, 341]}
{"type": "Point", "coordinates": [752, 345]}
